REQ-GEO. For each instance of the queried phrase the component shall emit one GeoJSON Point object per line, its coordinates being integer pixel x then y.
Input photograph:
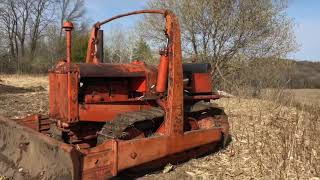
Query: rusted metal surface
{"type": "Point", "coordinates": [111, 70]}
{"type": "Point", "coordinates": [58, 96]}
{"type": "Point", "coordinates": [63, 96]}
{"type": "Point", "coordinates": [37, 122]}
{"type": "Point", "coordinates": [91, 52]}
{"type": "Point", "coordinates": [201, 83]}
{"type": "Point", "coordinates": [133, 13]}
{"type": "Point", "coordinates": [104, 113]}
{"type": "Point", "coordinates": [101, 162]}
{"type": "Point", "coordinates": [73, 106]}
{"type": "Point", "coordinates": [174, 102]}
{"type": "Point", "coordinates": [131, 154]}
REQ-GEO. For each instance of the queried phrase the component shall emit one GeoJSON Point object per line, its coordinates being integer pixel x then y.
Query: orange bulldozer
{"type": "Point", "coordinates": [106, 118]}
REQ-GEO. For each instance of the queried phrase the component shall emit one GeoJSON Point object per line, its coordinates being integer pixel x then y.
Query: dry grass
{"type": "Point", "coordinates": [269, 140]}
{"type": "Point", "coordinates": [307, 97]}
{"type": "Point", "coordinates": [25, 81]}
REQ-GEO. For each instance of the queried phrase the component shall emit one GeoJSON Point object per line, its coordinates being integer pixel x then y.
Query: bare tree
{"type": "Point", "coordinates": [218, 31]}
{"type": "Point", "coordinates": [8, 26]}
{"type": "Point", "coordinates": [42, 15]}
{"type": "Point", "coordinates": [71, 10]}
{"type": "Point", "coordinates": [120, 45]}
{"type": "Point", "coordinates": [23, 23]}
{"type": "Point", "coordinates": [23, 8]}
{"type": "Point", "coordinates": [14, 16]}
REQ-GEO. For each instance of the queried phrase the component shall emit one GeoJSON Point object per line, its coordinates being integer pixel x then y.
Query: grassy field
{"type": "Point", "coordinates": [307, 97]}
{"type": "Point", "coordinates": [271, 139]}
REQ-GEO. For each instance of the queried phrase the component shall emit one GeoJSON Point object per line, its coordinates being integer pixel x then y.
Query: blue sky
{"type": "Point", "coordinates": [306, 14]}
{"type": "Point", "coordinates": [99, 10]}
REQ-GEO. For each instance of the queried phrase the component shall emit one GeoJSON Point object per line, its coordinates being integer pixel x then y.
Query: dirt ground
{"type": "Point", "coordinates": [23, 95]}
{"type": "Point", "coordinates": [269, 140]}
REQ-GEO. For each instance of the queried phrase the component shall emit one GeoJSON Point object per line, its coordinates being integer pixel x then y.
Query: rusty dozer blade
{"type": "Point", "coordinates": [28, 149]}
{"type": "Point", "coordinates": [34, 155]}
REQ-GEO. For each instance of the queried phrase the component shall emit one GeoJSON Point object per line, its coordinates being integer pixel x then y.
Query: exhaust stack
{"type": "Point", "coordinates": [68, 26]}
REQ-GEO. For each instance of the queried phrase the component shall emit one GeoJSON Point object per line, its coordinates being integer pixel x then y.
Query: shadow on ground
{"type": "Point", "coordinates": [7, 89]}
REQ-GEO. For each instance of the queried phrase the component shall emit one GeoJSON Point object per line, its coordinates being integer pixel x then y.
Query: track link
{"type": "Point", "coordinates": [114, 129]}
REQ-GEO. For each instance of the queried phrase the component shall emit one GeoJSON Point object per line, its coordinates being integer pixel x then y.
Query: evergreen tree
{"type": "Point", "coordinates": [142, 51]}
{"type": "Point", "coordinates": [79, 47]}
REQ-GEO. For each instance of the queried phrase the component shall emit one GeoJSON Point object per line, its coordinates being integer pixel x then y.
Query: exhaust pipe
{"type": "Point", "coordinates": [68, 26]}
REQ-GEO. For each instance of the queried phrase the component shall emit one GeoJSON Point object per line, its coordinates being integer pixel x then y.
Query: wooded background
{"type": "Point", "coordinates": [245, 41]}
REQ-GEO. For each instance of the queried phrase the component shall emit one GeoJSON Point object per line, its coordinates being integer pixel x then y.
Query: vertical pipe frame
{"type": "Point", "coordinates": [68, 26]}
{"type": "Point", "coordinates": [174, 115]}
{"type": "Point", "coordinates": [100, 48]}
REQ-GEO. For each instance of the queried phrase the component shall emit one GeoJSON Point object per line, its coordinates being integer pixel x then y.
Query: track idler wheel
{"type": "Point", "coordinates": [209, 115]}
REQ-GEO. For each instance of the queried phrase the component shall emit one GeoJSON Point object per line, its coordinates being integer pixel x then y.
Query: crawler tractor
{"type": "Point", "coordinates": [106, 118]}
